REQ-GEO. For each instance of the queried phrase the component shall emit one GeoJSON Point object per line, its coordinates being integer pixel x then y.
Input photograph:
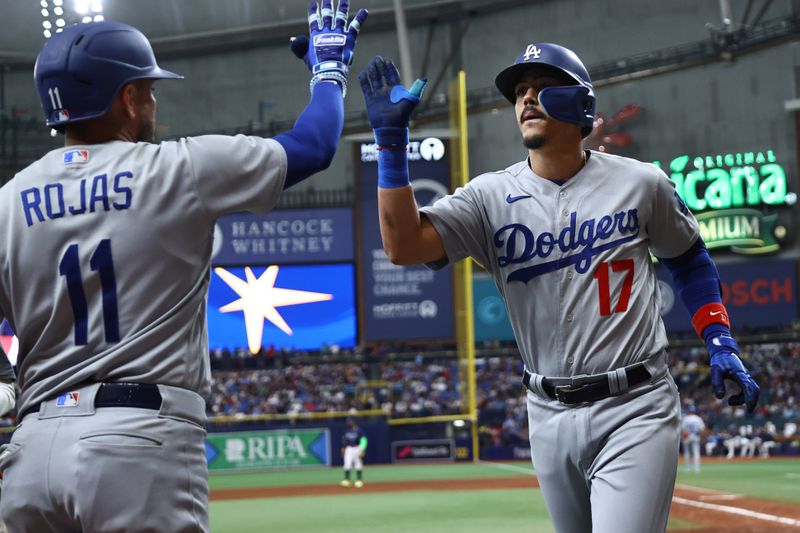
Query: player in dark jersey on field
{"type": "Point", "coordinates": [354, 446]}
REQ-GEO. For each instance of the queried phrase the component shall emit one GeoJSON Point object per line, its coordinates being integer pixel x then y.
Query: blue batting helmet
{"type": "Point", "coordinates": [569, 103]}
{"type": "Point", "coordinates": [80, 70]}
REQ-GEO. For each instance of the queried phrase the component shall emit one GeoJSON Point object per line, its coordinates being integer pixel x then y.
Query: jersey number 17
{"type": "Point", "coordinates": [604, 291]}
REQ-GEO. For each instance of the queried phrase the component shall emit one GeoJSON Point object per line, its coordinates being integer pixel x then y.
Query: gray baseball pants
{"type": "Point", "coordinates": [608, 466]}
{"type": "Point", "coordinates": [110, 469]}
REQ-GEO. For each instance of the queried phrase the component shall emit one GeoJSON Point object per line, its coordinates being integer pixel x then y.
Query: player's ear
{"type": "Point", "coordinates": [128, 96]}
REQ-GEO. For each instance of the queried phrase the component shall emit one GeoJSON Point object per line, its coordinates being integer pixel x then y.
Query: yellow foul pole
{"type": "Point", "coordinates": [465, 332]}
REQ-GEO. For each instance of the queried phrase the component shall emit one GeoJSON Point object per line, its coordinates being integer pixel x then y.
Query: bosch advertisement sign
{"type": "Point", "coordinates": [408, 451]}
{"type": "Point", "coordinates": [756, 293]}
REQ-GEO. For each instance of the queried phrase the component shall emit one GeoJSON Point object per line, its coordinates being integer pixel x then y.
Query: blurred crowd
{"type": "Point", "coordinates": [775, 366]}
{"type": "Point", "coordinates": [288, 390]}
{"type": "Point", "coordinates": [407, 383]}
{"type": "Point", "coordinates": [413, 388]}
{"type": "Point", "coordinates": [428, 384]}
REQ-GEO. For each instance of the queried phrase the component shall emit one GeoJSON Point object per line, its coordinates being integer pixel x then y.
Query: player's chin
{"type": "Point", "coordinates": [146, 134]}
{"type": "Point", "coordinates": [533, 140]}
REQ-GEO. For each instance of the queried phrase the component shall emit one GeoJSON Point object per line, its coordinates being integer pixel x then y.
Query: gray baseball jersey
{"type": "Point", "coordinates": [6, 370]}
{"type": "Point", "coordinates": [572, 262]}
{"type": "Point", "coordinates": [106, 265]}
{"type": "Point", "coordinates": [106, 255]}
{"type": "Point", "coordinates": [693, 425]}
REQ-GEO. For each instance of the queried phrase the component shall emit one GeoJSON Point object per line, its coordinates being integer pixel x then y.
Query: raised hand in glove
{"type": "Point", "coordinates": [329, 53]}
{"type": "Point", "coordinates": [389, 104]}
{"type": "Point", "coordinates": [725, 364]}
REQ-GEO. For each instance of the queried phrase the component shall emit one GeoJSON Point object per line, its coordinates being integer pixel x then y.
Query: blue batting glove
{"type": "Point", "coordinates": [329, 52]}
{"type": "Point", "coordinates": [725, 364]}
{"type": "Point", "coordinates": [389, 104]}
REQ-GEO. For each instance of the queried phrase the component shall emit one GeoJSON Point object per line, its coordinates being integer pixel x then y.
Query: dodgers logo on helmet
{"type": "Point", "coordinates": [532, 52]}
{"type": "Point", "coordinates": [330, 40]}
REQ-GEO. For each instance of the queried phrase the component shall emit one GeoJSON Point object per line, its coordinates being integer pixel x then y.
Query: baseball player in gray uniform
{"type": "Point", "coordinates": [8, 396]}
{"type": "Point", "coordinates": [8, 393]}
{"type": "Point", "coordinates": [692, 427]}
{"type": "Point", "coordinates": [567, 235]}
{"type": "Point", "coordinates": [106, 253]}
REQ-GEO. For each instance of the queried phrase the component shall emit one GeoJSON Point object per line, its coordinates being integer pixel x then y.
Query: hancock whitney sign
{"type": "Point", "coordinates": [288, 236]}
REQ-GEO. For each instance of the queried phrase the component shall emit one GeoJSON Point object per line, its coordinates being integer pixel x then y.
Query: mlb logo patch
{"type": "Point", "coordinates": [68, 399]}
{"type": "Point", "coordinates": [62, 115]}
{"type": "Point", "coordinates": [72, 157]}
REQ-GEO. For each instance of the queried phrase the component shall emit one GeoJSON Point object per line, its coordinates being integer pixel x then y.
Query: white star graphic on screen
{"type": "Point", "coordinates": [259, 298]}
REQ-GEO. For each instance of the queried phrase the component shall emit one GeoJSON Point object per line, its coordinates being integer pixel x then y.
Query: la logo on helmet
{"type": "Point", "coordinates": [532, 51]}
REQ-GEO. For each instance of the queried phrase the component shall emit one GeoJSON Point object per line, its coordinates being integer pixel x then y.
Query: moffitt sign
{"type": "Point", "coordinates": [430, 149]}
{"type": "Point", "coordinates": [726, 189]}
{"type": "Point", "coordinates": [402, 302]}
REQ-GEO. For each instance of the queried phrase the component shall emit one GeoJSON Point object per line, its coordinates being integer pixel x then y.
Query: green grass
{"type": "Point", "coordinates": [777, 480]}
{"type": "Point", "coordinates": [677, 523]}
{"type": "Point", "coordinates": [506, 511]}
{"type": "Point", "coordinates": [492, 511]}
{"type": "Point", "coordinates": [318, 476]}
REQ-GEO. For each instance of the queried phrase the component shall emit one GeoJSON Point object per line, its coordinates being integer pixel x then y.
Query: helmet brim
{"type": "Point", "coordinates": [508, 77]}
{"type": "Point", "coordinates": [161, 74]}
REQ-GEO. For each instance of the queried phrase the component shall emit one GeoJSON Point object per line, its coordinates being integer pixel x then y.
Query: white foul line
{"type": "Point", "coordinates": [720, 497]}
{"type": "Point", "coordinates": [511, 468]}
{"type": "Point", "coordinates": [692, 503]}
{"type": "Point", "coordinates": [736, 510]}
{"type": "Point", "coordinates": [698, 489]}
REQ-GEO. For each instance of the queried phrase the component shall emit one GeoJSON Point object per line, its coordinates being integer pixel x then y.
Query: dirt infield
{"type": "Point", "coordinates": [724, 512]}
{"type": "Point", "coordinates": [719, 512]}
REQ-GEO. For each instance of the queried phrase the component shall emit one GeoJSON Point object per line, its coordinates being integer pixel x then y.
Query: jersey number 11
{"type": "Point", "coordinates": [101, 262]}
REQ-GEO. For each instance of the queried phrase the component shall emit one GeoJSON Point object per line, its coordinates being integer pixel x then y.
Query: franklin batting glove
{"type": "Point", "coordinates": [725, 364]}
{"type": "Point", "coordinates": [329, 52]}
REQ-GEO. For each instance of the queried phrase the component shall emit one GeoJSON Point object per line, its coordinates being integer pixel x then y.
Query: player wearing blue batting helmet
{"type": "Point", "coordinates": [573, 102]}
{"type": "Point", "coordinates": [551, 230]}
{"type": "Point", "coordinates": [81, 69]}
{"type": "Point", "coordinates": [111, 320]}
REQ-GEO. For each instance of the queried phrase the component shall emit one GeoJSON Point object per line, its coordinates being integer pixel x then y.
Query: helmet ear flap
{"type": "Point", "coordinates": [569, 103]}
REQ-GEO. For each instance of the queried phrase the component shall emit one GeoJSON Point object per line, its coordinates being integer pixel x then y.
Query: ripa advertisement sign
{"type": "Point", "coordinates": [281, 448]}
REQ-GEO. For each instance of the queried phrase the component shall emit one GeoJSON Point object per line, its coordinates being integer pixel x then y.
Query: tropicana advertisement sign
{"type": "Point", "coordinates": [728, 194]}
